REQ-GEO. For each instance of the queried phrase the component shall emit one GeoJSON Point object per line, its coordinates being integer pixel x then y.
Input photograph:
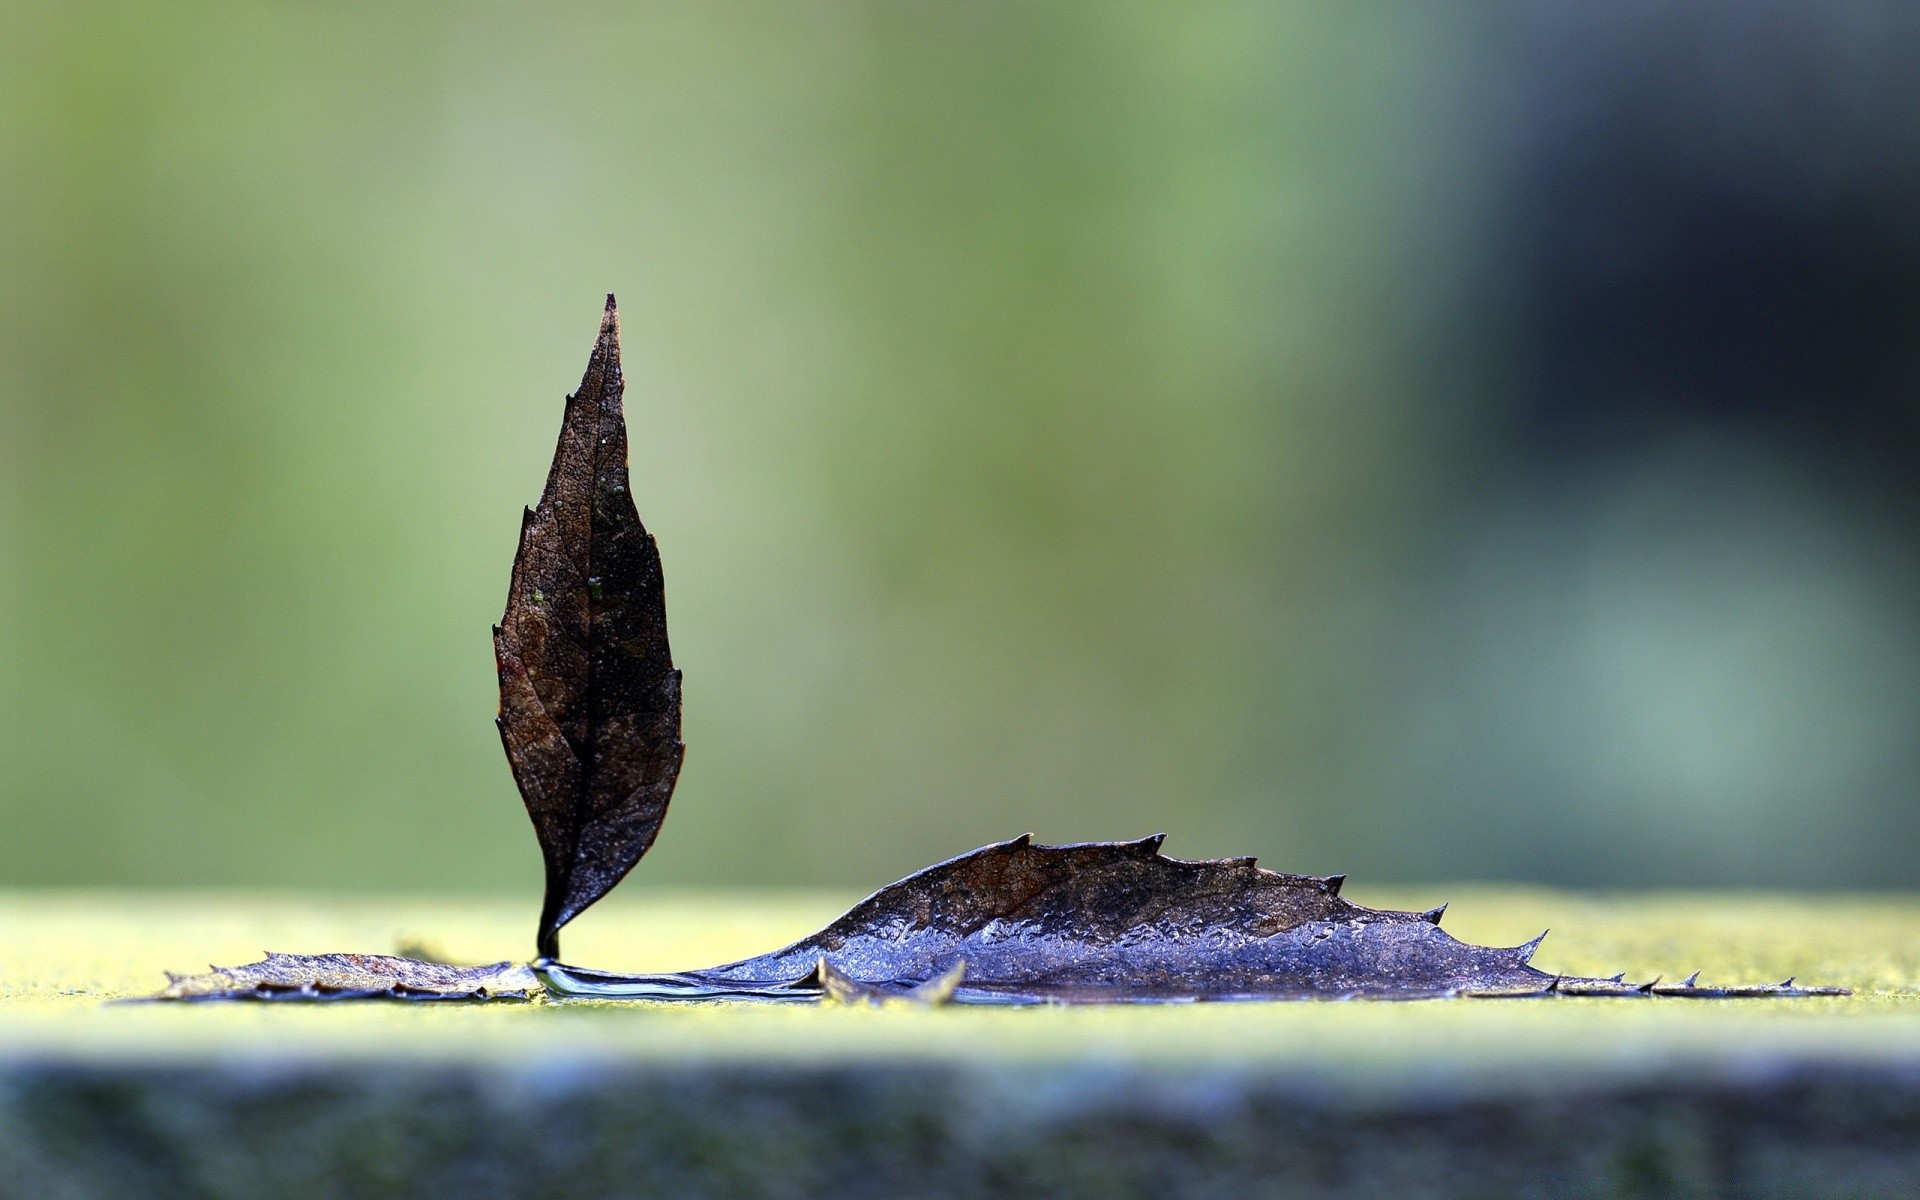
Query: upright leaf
{"type": "Point", "coordinates": [589, 697]}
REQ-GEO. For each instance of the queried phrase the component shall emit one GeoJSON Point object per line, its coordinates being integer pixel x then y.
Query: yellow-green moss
{"type": "Point", "coordinates": [1562, 1096]}
{"type": "Point", "coordinates": [64, 955]}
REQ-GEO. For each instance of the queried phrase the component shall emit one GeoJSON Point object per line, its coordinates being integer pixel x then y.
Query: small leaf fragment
{"type": "Point", "coordinates": [840, 988]}
{"type": "Point", "coordinates": [353, 977]}
{"type": "Point", "coordinates": [589, 697]}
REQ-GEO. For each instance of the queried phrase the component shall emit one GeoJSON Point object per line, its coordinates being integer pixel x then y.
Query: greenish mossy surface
{"type": "Point", "coordinates": [64, 954]}
{"type": "Point", "coordinates": [1464, 1097]}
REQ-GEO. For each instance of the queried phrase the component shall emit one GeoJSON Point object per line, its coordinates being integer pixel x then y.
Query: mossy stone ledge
{"type": "Point", "coordinates": [1565, 1096]}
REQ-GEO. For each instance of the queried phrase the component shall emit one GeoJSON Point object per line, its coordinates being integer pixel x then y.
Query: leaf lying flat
{"type": "Point", "coordinates": [1119, 921]}
{"type": "Point", "coordinates": [353, 977]}
{"type": "Point", "coordinates": [589, 698]}
{"type": "Point", "coordinates": [1016, 923]}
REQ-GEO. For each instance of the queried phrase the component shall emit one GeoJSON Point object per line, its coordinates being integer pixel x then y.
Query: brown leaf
{"type": "Point", "coordinates": [590, 717]}
{"type": "Point", "coordinates": [1119, 921]}
{"type": "Point", "coordinates": [353, 977]}
{"type": "Point", "coordinates": [589, 697]}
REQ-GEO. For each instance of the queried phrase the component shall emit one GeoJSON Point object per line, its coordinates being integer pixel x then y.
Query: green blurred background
{"type": "Point", "coordinates": [1425, 441]}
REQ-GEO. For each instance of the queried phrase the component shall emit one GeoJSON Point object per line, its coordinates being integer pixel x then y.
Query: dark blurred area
{"type": "Point", "coordinates": [1417, 441]}
{"type": "Point", "coordinates": [1680, 599]}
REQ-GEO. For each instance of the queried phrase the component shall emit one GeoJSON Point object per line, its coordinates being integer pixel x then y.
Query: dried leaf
{"type": "Point", "coordinates": [589, 697]}
{"type": "Point", "coordinates": [353, 977]}
{"type": "Point", "coordinates": [590, 717]}
{"type": "Point", "coordinates": [1119, 921]}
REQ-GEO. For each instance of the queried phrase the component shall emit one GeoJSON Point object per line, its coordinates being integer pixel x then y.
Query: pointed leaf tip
{"type": "Point", "coordinates": [940, 989]}
{"type": "Point", "coordinates": [1432, 916]}
{"type": "Point", "coordinates": [608, 341]}
{"type": "Point", "coordinates": [1692, 980]}
{"type": "Point", "coordinates": [1525, 950]}
{"type": "Point", "coordinates": [1333, 883]}
{"type": "Point", "coordinates": [838, 987]}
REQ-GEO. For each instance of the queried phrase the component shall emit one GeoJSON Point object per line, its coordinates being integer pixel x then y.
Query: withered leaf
{"type": "Point", "coordinates": [590, 717]}
{"type": "Point", "coordinates": [589, 697]}
{"type": "Point", "coordinates": [353, 977]}
{"type": "Point", "coordinates": [1119, 921]}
